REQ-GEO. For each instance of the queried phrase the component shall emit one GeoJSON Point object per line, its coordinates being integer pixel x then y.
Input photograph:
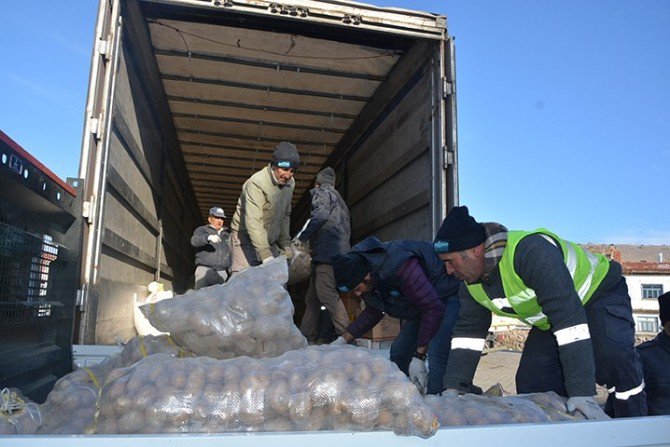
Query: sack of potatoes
{"type": "Point", "coordinates": [18, 414]}
{"type": "Point", "coordinates": [70, 406]}
{"type": "Point", "coordinates": [251, 314]}
{"type": "Point", "coordinates": [317, 388]}
{"type": "Point", "coordinates": [470, 409]}
{"type": "Point", "coordinates": [300, 265]}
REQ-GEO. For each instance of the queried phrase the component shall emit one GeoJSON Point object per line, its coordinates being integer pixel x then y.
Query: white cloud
{"type": "Point", "coordinates": [63, 98]}
{"type": "Point", "coordinates": [648, 236]}
{"type": "Point", "coordinates": [70, 45]}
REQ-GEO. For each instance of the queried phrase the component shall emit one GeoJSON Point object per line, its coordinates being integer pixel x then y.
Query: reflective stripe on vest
{"type": "Point", "coordinates": [586, 269]}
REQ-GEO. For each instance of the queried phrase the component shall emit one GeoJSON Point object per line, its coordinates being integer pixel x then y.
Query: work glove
{"type": "Point", "coordinates": [300, 245]}
{"type": "Point", "coordinates": [450, 392]}
{"type": "Point", "coordinates": [213, 238]}
{"type": "Point", "coordinates": [586, 405]}
{"type": "Point", "coordinates": [418, 374]}
{"type": "Point", "coordinates": [268, 259]}
{"type": "Point", "coordinates": [339, 341]}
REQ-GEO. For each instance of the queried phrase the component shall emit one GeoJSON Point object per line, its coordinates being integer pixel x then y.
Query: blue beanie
{"type": "Point", "coordinates": [458, 232]}
{"type": "Point", "coordinates": [349, 271]}
{"type": "Point", "coordinates": [286, 155]}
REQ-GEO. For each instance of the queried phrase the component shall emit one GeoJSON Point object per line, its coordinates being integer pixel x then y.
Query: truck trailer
{"type": "Point", "coordinates": [187, 99]}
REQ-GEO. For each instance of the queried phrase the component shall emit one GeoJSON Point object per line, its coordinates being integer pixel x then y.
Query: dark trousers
{"type": "Point", "coordinates": [617, 362]}
{"type": "Point", "coordinates": [404, 346]}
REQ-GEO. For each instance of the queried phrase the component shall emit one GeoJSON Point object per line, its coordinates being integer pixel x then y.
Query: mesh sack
{"type": "Point", "coordinates": [553, 405]}
{"type": "Point", "coordinates": [70, 406]}
{"type": "Point", "coordinates": [252, 315]}
{"type": "Point", "coordinates": [300, 265]}
{"type": "Point", "coordinates": [317, 388]}
{"type": "Point", "coordinates": [470, 409]}
{"type": "Point", "coordinates": [18, 414]}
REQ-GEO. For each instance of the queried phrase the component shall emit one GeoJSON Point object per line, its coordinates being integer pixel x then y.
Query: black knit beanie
{"type": "Point", "coordinates": [349, 270]}
{"type": "Point", "coordinates": [664, 308]}
{"type": "Point", "coordinates": [458, 232]}
{"type": "Point", "coordinates": [326, 177]}
{"type": "Point", "coordinates": [286, 156]}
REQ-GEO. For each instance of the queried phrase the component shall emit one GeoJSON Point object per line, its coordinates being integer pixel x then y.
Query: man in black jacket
{"type": "Point", "coordinates": [328, 230]}
{"type": "Point", "coordinates": [576, 302]}
{"type": "Point", "coordinates": [212, 250]}
{"type": "Point", "coordinates": [655, 357]}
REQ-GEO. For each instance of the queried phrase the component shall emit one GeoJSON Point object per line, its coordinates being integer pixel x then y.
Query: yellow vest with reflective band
{"type": "Point", "coordinates": [587, 271]}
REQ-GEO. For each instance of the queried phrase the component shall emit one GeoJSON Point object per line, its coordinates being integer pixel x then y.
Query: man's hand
{"type": "Point", "coordinates": [268, 259]}
{"type": "Point", "coordinates": [213, 238]}
{"type": "Point", "coordinates": [586, 405]}
{"type": "Point", "coordinates": [418, 374]}
{"type": "Point", "coordinates": [339, 341]}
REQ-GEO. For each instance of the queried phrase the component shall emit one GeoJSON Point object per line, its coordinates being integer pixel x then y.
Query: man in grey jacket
{"type": "Point", "coordinates": [212, 252]}
{"type": "Point", "coordinates": [260, 225]}
{"type": "Point", "coordinates": [328, 230]}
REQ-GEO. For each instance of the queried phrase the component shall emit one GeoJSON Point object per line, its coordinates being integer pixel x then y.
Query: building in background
{"type": "Point", "coordinates": [647, 272]}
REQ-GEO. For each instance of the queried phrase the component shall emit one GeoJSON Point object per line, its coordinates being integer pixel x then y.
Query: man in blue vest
{"type": "Point", "coordinates": [405, 280]}
{"type": "Point", "coordinates": [655, 356]}
{"type": "Point", "coordinates": [577, 304]}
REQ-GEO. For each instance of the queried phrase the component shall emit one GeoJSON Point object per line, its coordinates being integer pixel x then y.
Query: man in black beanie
{"type": "Point", "coordinates": [576, 302]}
{"type": "Point", "coordinates": [403, 279]}
{"type": "Point", "coordinates": [328, 231]}
{"type": "Point", "coordinates": [260, 225]}
{"type": "Point", "coordinates": [655, 357]}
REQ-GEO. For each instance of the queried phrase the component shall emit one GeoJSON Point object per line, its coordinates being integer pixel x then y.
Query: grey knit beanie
{"type": "Point", "coordinates": [326, 177]}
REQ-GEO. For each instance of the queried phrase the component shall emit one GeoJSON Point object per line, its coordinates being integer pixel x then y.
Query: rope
{"type": "Point", "coordinates": [11, 402]}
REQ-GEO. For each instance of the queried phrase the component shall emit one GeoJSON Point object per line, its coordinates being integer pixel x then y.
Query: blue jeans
{"type": "Point", "coordinates": [404, 346]}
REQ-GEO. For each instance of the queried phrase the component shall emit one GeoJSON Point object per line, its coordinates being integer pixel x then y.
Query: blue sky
{"type": "Point", "coordinates": [563, 106]}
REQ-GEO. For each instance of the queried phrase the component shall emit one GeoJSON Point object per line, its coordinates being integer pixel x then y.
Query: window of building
{"type": "Point", "coordinates": [647, 324]}
{"type": "Point", "coordinates": [652, 291]}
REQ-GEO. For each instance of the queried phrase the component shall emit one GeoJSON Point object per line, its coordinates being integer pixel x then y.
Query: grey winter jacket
{"type": "Point", "coordinates": [329, 226]}
{"type": "Point", "coordinates": [207, 254]}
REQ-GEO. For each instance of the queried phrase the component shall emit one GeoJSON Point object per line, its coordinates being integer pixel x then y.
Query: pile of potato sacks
{"type": "Point", "coordinates": [70, 406]}
{"type": "Point", "coordinates": [235, 362]}
{"type": "Point", "coordinates": [318, 388]}
{"type": "Point", "coordinates": [250, 315]}
{"type": "Point", "coordinates": [472, 409]}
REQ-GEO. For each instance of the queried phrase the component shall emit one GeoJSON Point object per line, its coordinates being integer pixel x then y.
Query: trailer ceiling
{"type": "Point", "coordinates": [236, 90]}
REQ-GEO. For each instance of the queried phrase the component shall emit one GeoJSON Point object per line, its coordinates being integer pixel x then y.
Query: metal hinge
{"type": "Point", "coordinates": [81, 298]}
{"type": "Point", "coordinates": [447, 88]}
{"type": "Point", "coordinates": [294, 11]}
{"type": "Point", "coordinates": [87, 210]}
{"type": "Point", "coordinates": [95, 127]}
{"type": "Point", "coordinates": [449, 158]}
{"type": "Point", "coordinates": [104, 48]}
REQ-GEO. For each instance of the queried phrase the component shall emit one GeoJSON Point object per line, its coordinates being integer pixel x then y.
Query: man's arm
{"type": "Point", "coordinates": [321, 209]}
{"type": "Point", "coordinates": [365, 321]}
{"type": "Point", "coordinates": [253, 199]}
{"type": "Point", "coordinates": [539, 263]}
{"type": "Point", "coordinates": [467, 342]}
{"type": "Point", "coordinates": [199, 238]}
{"type": "Point", "coordinates": [415, 286]}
